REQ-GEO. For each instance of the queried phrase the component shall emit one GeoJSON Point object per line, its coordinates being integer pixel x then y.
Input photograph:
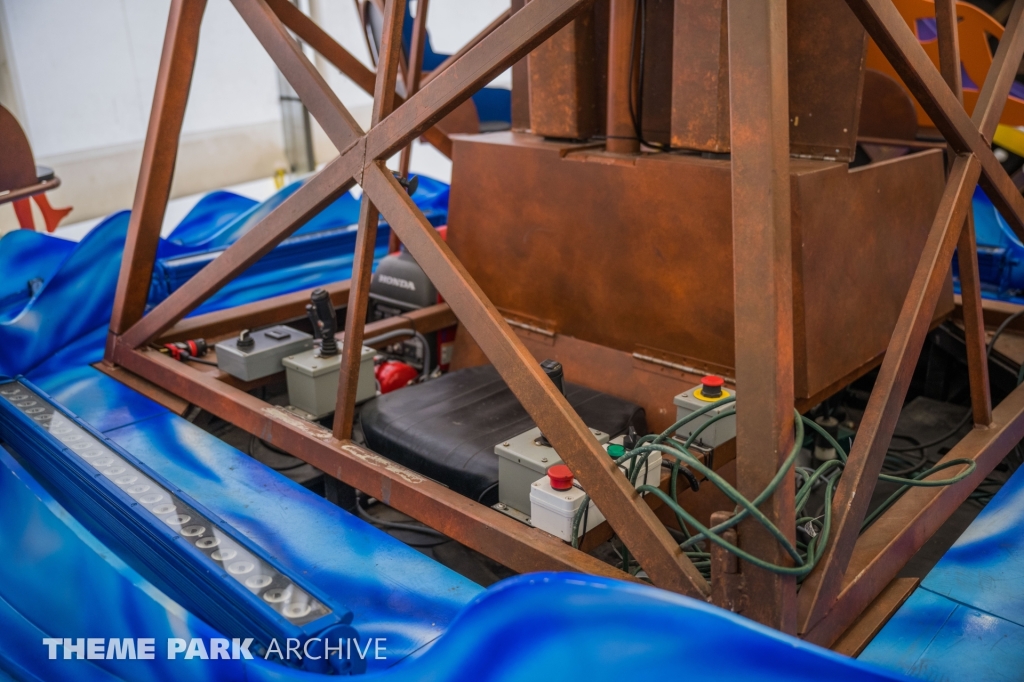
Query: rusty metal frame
{"type": "Point", "coordinates": [857, 566]}
{"type": "Point", "coordinates": [822, 616]}
{"type": "Point", "coordinates": [361, 160]}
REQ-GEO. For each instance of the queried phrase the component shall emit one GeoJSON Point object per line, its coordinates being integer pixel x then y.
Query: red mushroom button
{"type": "Point", "coordinates": [560, 477]}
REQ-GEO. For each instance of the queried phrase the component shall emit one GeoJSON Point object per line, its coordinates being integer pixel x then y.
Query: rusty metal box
{"type": "Point", "coordinates": [635, 254]}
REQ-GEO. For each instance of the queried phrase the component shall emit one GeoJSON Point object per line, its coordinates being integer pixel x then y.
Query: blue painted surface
{"type": "Point", "coordinates": [492, 104]}
{"type": "Point", "coordinates": [103, 402]}
{"type": "Point", "coordinates": [394, 591]}
{"type": "Point", "coordinates": [966, 619]}
{"type": "Point", "coordinates": [65, 583]}
{"type": "Point", "coordinates": [1000, 253]}
{"type": "Point", "coordinates": [543, 626]}
{"type": "Point", "coordinates": [27, 256]}
{"type": "Point", "coordinates": [76, 295]}
{"type": "Point", "coordinates": [76, 299]}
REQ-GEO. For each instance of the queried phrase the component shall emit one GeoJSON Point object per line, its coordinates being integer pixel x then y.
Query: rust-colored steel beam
{"type": "Point", "coordinates": [891, 541]}
{"type": "Point", "coordinates": [452, 58]}
{"type": "Point", "coordinates": [252, 315]}
{"type": "Point", "coordinates": [635, 523]}
{"type": "Point", "coordinates": [317, 38]}
{"type": "Point", "coordinates": [762, 279]}
{"type": "Point", "coordinates": [319, 191]}
{"type": "Point", "coordinates": [992, 99]}
{"type": "Point", "coordinates": [412, 79]}
{"type": "Point", "coordinates": [306, 29]}
{"type": "Point", "coordinates": [388, 66]}
{"type": "Point", "coordinates": [967, 248]}
{"type": "Point", "coordinates": [491, 533]}
{"type": "Point", "coordinates": [310, 86]}
{"type": "Point", "coordinates": [901, 47]}
{"type": "Point", "coordinates": [622, 137]}
{"type": "Point", "coordinates": [158, 157]}
{"type": "Point", "coordinates": [515, 38]}
{"type": "Point", "coordinates": [853, 494]}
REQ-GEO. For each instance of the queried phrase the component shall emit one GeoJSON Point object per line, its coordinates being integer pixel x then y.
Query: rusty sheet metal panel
{"type": "Point", "coordinates": [700, 77]}
{"type": "Point", "coordinates": [859, 233]}
{"type": "Point", "coordinates": [562, 83]}
{"type": "Point", "coordinates": [826, 67]}
{"type": "Point", "coordinates": [636, 254]}
{"type": "Point", "coordinates": [567, 77]}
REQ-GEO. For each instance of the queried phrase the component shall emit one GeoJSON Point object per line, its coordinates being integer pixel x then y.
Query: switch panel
{"type": "Point", "coordinates": [258, 354]}
{"type": "Point", "coordinates": [521, 460]}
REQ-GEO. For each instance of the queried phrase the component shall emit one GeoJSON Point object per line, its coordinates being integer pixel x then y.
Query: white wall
{"type": "Point", "coordinates": [80, 77]}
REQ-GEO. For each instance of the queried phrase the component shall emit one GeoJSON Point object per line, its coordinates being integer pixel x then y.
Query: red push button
{"type": "Point", "coordinates": [711, 386]}
{"type": "Point", "coordinates": [560, 477]}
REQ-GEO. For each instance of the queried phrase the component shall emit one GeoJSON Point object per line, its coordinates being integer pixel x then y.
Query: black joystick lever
{"type": "Point", "coordinates": [325, 324]}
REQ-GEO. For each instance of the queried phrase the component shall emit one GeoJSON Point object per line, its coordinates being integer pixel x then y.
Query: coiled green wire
{"type": "Point", "coordinates": [804, 557]}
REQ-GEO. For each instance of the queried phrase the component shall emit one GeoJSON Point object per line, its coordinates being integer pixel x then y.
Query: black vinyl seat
{"type": "Point", "coordinates": [447, 428]}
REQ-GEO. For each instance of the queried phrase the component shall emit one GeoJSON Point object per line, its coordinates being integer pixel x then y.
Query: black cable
{"type": "Point", "coordinates": [480, 497]}
{"type": "Point", "coordinates": [586, 515]}
{"type": "Point", "coordinates": [185, 357]}
{"type": "Point", "coordinates": [412, 528]}
{"type": "Point", "coordinates": [963, 422]}
{"type": "Point", "coordinates": [636, 111]}
{"type": "Point", "coordinates": [425, 372]}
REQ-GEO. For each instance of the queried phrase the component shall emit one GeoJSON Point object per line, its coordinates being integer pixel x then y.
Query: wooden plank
{"type": "Point", "coordinates": [252, 315]}
{"type": "Point", "coordinates": [309, 85]}
{"type": "Point", "coordinates": [306, 29]}
{"type": "Point", "coordinates": [172, 402]}
{"type": "Point", "coordinates": [992, 99]}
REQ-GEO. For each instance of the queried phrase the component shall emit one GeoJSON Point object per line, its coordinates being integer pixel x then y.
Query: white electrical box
{"type": "Point", "coordinates": [722, 430]}
{"type": "Point", "coordinates": [521, 460]}
{"type": "Point", "coordinates": [313, 380]}
{"type": "Point", "coordinates": [553, 510]}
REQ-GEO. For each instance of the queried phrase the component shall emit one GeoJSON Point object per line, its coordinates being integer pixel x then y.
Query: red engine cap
{"type": "Point", "coordinates": [560, 477]}
{"type": "Point", "coordinates": [393, 375]}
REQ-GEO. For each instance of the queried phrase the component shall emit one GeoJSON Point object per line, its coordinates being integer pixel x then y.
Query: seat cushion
{"type": "Point", "coordinates": [447, 428]}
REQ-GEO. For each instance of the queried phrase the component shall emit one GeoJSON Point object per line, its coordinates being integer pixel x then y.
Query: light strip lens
{"type": "Point", "coordinates": [162, 506]}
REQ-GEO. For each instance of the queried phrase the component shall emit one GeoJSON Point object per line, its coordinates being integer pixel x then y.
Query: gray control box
{"type": "Point", "coordinates": [313, 380]}
{"type": "Point", "coordinates": [263, 358]}
{"type": "Point", "coordinates": [521, 461]}
{"type": "Point", "coordinates": [722, 430]}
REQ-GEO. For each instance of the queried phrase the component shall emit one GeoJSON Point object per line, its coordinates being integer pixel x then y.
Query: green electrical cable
{"type": "Point", "coordinates": [804, 555]}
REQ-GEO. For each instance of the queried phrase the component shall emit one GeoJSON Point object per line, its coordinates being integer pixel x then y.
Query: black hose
{"type": "Point", "coordinates": [412, 528]}
{"type": "Point", "coordinates": [405, 332]}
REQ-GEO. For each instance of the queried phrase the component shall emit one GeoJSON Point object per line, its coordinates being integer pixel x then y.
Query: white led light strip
{"type": "Point", "coordinates": [219, 548]}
